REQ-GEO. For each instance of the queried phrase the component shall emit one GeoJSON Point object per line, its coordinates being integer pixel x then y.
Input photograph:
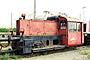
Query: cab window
{"type": "Point", "coordinates": [72, 26]}
{"type": "Point", "coordinates": [63, 24]}
{"type": "Point", "coordinates": [78, 27]}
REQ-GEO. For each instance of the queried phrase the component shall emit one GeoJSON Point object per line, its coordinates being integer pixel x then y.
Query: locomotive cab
{"type": "Point", "coordinates": [71, 31]}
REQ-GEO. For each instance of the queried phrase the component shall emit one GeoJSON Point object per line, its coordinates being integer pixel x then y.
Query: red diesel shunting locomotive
{"type": "Point", "coordinates": [55, 31]}
{"type": "Point", "coordinates": [43, 35]}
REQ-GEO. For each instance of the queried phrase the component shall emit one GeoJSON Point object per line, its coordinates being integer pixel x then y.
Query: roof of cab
{"type": "Point", "coordinates": [71, 18]}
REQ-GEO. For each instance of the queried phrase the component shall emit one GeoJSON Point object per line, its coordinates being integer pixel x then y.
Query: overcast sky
{"type": "Point", "coordinates": [17, 7]}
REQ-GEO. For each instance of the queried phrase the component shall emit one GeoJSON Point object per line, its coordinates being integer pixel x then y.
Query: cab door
{"type": "Point", "coordinates": [72, 33]}
{"type": "Point", "coordinates": [79, 33]}
{"type": "Point", "coordinates": [63, 30]}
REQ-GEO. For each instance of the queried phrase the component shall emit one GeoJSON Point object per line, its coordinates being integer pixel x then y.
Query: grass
{"type": "Point", "coordinates": [88, 56]}
{"type": "Point", "coordinates": [6, 32]}
{"type": "Point", "coordinates": [30, 56]}
{"type": "Point", "coordinates": [44, 53]}
{"type": "Point", "coordinates": [16, 57]}
{"type": "Point", "coordinates": [85, 48]}
{"type": "Point", "coordinates": [6, 56]}
{"type": "Point", "coordinates": [85, 52]}
{"type": "Point", "coordinates": [80, 49]}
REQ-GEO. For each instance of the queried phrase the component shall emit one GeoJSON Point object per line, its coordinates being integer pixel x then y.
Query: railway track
{"type": "Point", "coordinates": [33, 54]}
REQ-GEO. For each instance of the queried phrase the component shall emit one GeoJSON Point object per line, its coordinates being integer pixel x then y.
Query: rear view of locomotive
{"type": "Point", "coordinates": [56, 31]}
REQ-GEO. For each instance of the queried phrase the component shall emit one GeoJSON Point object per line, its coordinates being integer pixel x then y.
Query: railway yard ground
{"type": "Point", "coordinates": [80, 53]}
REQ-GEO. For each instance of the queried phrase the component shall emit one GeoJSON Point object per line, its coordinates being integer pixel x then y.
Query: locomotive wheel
{"type": "Point", "coordinates": [13, 44]}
